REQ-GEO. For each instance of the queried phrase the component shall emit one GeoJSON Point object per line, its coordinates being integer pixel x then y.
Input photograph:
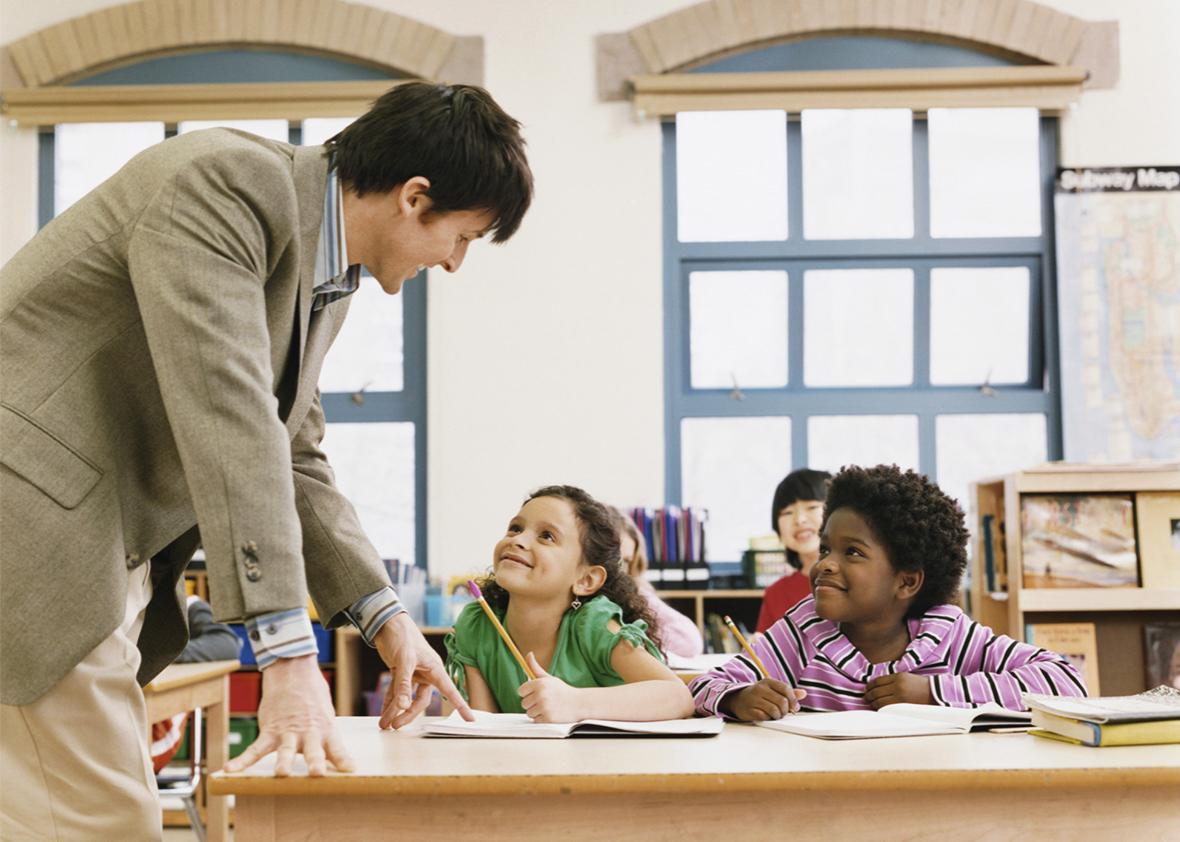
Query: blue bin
{"type": "Point", "coordinates": [436, 610]}
{"type": "Point", "coordinates": [246, 655]}
{"type": "Point", "coordinates": [323, 642]}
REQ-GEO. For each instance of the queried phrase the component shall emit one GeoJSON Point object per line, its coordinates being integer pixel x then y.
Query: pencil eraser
{"type": "Point", "coordinates": [728, 621]}
{"type": "Point", "coordinates": [474, 588]}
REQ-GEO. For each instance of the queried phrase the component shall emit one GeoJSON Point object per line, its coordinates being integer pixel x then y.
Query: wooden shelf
{"type": "Point", "coordinates": [742, 593]}
{"type": "Point", "coordinates": [1078, 482]}
{"type": "Point", "coordinates": [1099, 599]}
{"type": "Point", "coordinates": [1118, 614]}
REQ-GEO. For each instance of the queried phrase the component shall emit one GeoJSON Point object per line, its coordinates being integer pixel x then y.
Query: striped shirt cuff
{"type": "Point", "coordinates": [283, 634]}
{"type": "Point", "coordinates": [370, 613]}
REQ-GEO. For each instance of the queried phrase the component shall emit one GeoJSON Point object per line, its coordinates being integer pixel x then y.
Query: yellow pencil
{"type": "Point", "coordinates": [487, 609]}
{"type": "Point", "coordinates": [749, 650]}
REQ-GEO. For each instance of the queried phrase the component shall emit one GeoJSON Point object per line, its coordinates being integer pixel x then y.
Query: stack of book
{"type": "Point", "coordinates": [1146, 719]}
{"type": "Point", "coordinates": [675, 539]}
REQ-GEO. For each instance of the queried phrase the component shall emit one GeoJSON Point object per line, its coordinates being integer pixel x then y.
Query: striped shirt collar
{"type": "Point", "coordinates": [334, 277]}
{"type": "Point", "coordinates": [926, 637]}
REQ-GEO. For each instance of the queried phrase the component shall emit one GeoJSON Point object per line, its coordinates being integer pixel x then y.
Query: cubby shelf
{"type": "Point", "coordinates": [1118, 613]}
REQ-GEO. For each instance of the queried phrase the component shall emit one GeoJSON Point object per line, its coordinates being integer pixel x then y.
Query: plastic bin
{"type": "Point", "coordinates": [243, 730]}
{"type": "Point", "coordinates": [245, 689]}
{"type": "Point", "coordinates": [246, 652]}
{"type": "Point", "coordinates": [323, 642]}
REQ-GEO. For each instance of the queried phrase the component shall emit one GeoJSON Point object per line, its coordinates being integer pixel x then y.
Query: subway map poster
{"type": "Point", "coordinates": [1118, 282]}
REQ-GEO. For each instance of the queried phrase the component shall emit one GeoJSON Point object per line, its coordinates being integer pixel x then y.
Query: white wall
{"type": "Point", "coordinates": [545, 355]}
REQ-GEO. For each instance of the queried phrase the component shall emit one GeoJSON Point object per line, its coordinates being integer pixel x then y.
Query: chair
{"type": "Point", "coordinates": [184, 783]}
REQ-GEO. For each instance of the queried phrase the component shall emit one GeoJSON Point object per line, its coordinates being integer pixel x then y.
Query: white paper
{"type": "Point", "coordinates": [519, 726]}
{"type": "Point", "coordinates": [900, 720]}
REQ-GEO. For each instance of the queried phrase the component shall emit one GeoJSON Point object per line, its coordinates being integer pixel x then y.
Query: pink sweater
{"type": "Point", "coordinates": [678, 634]}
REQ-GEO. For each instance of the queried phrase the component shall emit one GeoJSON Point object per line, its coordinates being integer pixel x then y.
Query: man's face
{"type": "Point", "coordinates": [396, 235]}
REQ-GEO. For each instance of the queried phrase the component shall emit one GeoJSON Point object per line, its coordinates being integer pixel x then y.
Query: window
{"type": "Point", "coordinates": [854, 286]}
{"type": "Point", "coordinates": [373, 382]}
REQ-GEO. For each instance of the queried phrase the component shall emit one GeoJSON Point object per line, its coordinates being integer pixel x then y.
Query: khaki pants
{"type": "Point", "coordinates": [74, 764]}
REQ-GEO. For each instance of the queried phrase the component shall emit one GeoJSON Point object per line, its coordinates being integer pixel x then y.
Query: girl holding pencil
{"type": "Point", "coordinates": [558, 595]}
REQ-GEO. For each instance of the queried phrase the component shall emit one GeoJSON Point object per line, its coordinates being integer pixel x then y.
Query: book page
{"type": "Point", "coordinates": [507, 725]}
{"type": "Point", "coordinates": [699, 663]}
{"type": "Point", "coordinates": [965, 718]}
{"type": "Point", "coordinates": [664, 727]}
{"type": "Point", "coordinates": [519, 726]}
{"type": "Point", "coordinates": [859, 724]}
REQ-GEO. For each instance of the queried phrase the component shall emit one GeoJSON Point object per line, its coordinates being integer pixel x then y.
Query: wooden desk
{"type": "Point", "coordinates": [185, 687]}
{"type": "Point", "coordinates": [749, 783]}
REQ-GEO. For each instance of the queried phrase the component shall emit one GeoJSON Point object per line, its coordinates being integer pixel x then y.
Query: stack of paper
{"type": "Point", "coordinates": [1148, 718]}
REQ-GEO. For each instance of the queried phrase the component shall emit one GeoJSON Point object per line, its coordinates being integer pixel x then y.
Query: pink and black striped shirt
{"type": "Point", "coordinates": [968, 664]}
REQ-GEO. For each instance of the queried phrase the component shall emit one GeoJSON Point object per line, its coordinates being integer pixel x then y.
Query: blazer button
{"type": "Point", "coordinates": [254, 635]}
{"type": "Point", "coordinates": [253, 574]}
{"type": "Point", "coordinates": [272, 629]}
{"type": "Point", "coordinates": [132, 561]}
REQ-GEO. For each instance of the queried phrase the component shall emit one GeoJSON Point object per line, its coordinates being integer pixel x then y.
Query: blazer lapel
{"type": "Point", "coordinates": [311, 179]}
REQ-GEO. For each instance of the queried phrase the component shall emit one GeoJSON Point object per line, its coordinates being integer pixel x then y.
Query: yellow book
{"type": "Point", "coordinates": [1105, 734]}
{"type": "Point", "coordinates": [1049, 735]}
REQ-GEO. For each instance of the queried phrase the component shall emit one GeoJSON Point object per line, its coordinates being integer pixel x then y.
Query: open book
{"type": "Point", "coordinates": [518, 725]}
{"type": "Point", "coordinates": [1159, 704]}
{"type": "Point", "coordinates": [699, 663]}
{"type": "Point", "coordinates": [900, 720]}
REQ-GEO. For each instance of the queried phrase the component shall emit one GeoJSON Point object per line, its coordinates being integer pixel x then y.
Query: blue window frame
{"type": "Point", "coordinates": [405, 405]}
{"type": "Point", "coordinates": [795, 255]}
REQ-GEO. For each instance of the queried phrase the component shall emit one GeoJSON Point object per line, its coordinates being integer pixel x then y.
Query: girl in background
{"type": "Point", "coordinates": [678, 634]}
{"type": "Point", "coordinates": [795, 514]}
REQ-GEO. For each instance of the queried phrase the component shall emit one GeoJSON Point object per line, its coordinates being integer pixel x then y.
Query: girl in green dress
{"type": "Point", "coordinates": [558, 587]}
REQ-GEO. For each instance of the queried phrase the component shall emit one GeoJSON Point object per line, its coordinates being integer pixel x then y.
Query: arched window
{"type": "Point", "coordinates": [854, 285]}
{"type": "Point", "coordinates": [373, 382]}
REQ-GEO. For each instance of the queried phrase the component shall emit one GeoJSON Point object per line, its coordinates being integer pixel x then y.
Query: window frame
{"type": "Point", "coordinates": [379, 406]}
{"type": "Point", "coordinates": [1040, 394]}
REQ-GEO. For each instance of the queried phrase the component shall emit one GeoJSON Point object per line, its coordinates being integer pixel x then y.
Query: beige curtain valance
{"type": "Point", "coordinates": [1046, 87]}
{"type": "Point", "coordinates": [50, 105]}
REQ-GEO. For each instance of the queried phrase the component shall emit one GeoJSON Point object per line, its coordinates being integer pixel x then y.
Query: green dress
{"type": "Point", "coordinates": [581, 659]}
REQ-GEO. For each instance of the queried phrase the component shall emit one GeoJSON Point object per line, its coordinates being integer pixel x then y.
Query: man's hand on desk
{"type": "Point", "coordinates": [295, 715]}
{"type": "Point", "coordinates": [416, 668]}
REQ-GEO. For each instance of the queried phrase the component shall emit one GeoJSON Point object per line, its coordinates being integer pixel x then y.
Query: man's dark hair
{"type": "Point", "coordinates": [454, 135]}
{"type": "Point", "coordinates": [921, 527]}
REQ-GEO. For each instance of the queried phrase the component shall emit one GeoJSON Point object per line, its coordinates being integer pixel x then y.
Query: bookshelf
{"type": "Point", "coordinates": [1118, 613]}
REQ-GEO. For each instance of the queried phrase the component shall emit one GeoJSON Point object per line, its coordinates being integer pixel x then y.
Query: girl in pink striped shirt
{"type": "Point", "coordinates": [879, 627]}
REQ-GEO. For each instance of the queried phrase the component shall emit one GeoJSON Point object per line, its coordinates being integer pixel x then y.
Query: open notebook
{"type": "Point", "coordinates": [518, 725]}
{"type": "Point", "coordinates": [698, 663]}
{"type": "Point", "coordinates": [900, 720]}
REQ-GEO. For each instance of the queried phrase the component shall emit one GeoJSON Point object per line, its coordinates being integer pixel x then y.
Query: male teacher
{"type": "Point", "coordinates": [160, 344]}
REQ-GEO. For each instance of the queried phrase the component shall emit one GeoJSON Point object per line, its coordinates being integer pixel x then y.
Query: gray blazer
{"type": "Point", "coordinates": [158, 368]}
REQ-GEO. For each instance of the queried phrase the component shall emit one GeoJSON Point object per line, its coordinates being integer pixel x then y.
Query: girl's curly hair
{"type": "Point", "coordinates": [921, 527]}
{"type": "Point", "coordinates": [599, 537]}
